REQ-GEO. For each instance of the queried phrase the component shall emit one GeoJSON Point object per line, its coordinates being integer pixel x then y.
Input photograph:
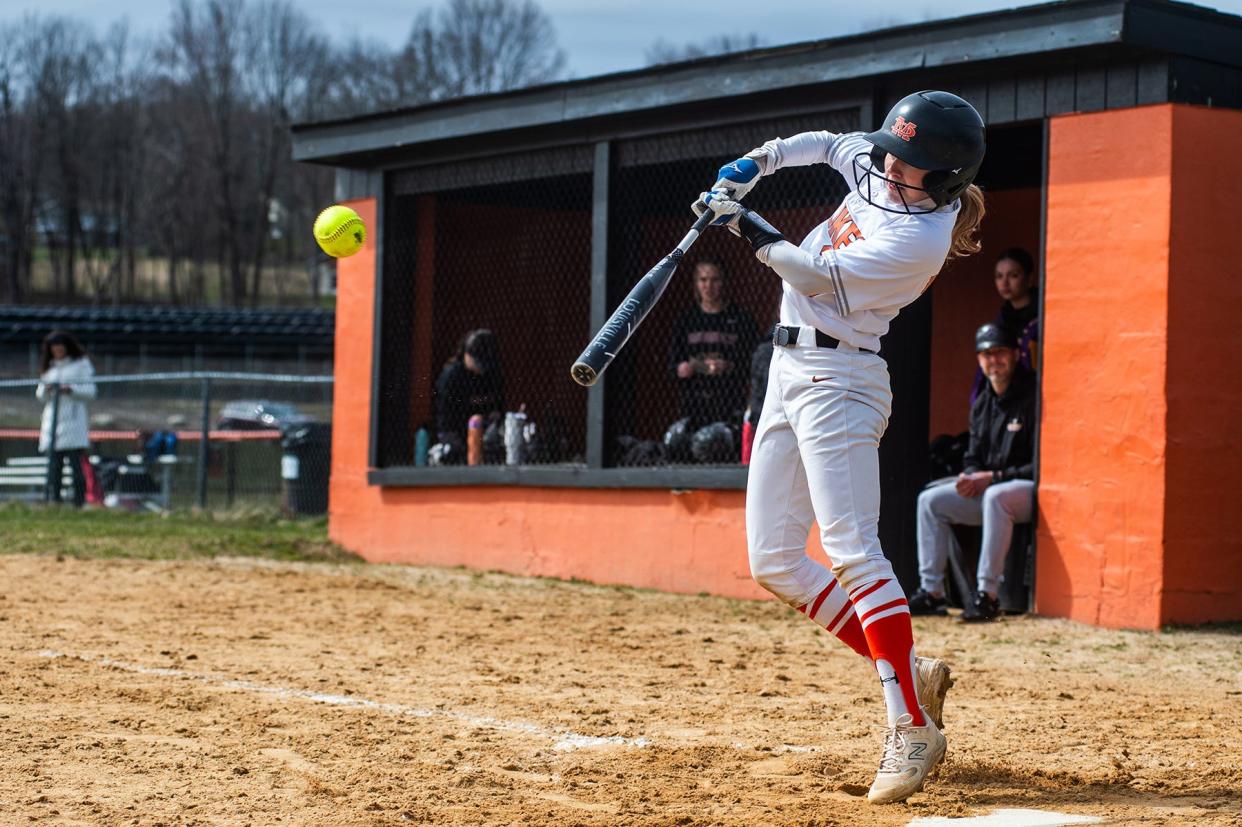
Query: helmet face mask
{"type": "Point", "coordinates": [934, 131]}
{"type": "Point", "coordinates": [874, 187]}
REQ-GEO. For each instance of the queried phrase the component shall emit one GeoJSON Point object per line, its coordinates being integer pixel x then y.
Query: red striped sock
{"type": "Point", "coordinates": [833, 610]}
{"type": "Point", "coordinates": [885, 618]}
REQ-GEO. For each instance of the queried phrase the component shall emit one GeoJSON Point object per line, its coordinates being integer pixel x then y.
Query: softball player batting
{"type": "Point", "coordinates": [911, 205]}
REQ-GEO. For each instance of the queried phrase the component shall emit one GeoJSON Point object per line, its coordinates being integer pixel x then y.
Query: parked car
{"type": "Point", "coordinates": [259, 415]}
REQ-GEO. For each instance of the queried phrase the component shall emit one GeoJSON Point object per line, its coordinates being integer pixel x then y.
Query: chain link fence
{"type": "Point", "coordinates": [175, 440]}
{"type": "Point", "coordinates": [524, 247]}
{"type": "Point", "coordinates": [683, 392]}
{"type": "Point", "coordinates": [501, 245]}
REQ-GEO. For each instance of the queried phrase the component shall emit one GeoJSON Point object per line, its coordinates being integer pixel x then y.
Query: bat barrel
{"type": "Point", "coordinates": [584, 374]}
{"type": "Point", "coordinates": [626, 318]}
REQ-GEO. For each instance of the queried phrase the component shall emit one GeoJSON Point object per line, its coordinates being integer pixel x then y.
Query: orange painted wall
{"type": "Point", "coordinates": [1203, 539]}
{"type": "Point", "coordinates": [351, 414]}
{"type": "Point", "coordinates": [964, 297]}
{"type": "Point", "coordinates": [1139, 459]}
{"type": "Point", "coordinates": [1102, 454]}
{"type": "Point", "coordinates": [691, 542]}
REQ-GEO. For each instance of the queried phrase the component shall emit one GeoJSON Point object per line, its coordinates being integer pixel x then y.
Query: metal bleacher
{"type": "Point", "coordinates": [25, 478]}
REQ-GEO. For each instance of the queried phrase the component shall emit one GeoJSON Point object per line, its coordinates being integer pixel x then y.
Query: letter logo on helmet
{"type": "Point", "coordinates": [903, 129]}
{"type": "Point", "coordinates": [950, 147]}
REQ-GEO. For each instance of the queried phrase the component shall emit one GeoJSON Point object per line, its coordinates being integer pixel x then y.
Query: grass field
{"type": "Point", "coordinates": [241, 669]}
{"type": "Point", "coordinates": [98, 533]}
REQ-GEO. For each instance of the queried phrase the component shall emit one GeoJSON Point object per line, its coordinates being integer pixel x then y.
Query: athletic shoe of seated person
{"type": "Point", "coordinates": [983, 609]}
{"type": "Point", "coordinates": [910, 755]}
{"type": "Point", "coordinates": [925, 603]}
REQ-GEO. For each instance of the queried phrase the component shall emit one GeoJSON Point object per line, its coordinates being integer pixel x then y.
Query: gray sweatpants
{"type": "Point", "coordinates": [1002, 505]}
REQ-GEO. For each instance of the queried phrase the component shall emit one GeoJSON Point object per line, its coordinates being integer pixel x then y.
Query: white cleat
{"type": "Point", "coordinates": [932, 682]}
{"type": "Point", "coordinates": [910, 755]}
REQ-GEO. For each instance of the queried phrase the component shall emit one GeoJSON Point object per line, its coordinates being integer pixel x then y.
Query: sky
{"type": "Point", "coordinates": [599, 36]}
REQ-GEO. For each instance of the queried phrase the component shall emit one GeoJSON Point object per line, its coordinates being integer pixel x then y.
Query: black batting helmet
{"type": "Point", "coordinates": [935, 131]}
{"type": "Point", "coordinates": [715, 443]}
{"type": "Point", "coordinates": [677, 440]}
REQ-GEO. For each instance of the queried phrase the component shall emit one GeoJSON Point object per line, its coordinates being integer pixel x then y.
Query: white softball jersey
{"type": "Point", "coordinates": [852, 274]}
{"type": "Point", "coordinates": [816, 450]}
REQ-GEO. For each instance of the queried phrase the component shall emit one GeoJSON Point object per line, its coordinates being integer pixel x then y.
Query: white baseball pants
{"type": "Point", "coordinates": [816, 458]}
{"type": "Point", "coordinates": [1001, 505]}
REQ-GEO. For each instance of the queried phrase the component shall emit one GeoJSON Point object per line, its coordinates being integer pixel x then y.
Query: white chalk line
{"type": "Point", "coordinates": [1007, 818]}
{"type": "Point", "coordinates": [563, 739]}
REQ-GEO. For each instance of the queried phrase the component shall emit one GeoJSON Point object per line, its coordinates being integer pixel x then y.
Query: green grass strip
{"type": "Point", "coordinates": [104, 533]}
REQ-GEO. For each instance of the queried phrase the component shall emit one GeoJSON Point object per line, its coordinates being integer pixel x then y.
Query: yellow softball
{"type": "Point", "coordinates": [339, 231]}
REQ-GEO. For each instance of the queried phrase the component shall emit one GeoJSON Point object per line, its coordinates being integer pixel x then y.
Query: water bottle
{"type": "Point", "coordinates": [422, 444]}
{"type": "Point", "coordinates": [515, 422]}
{"type": "Point", "coordinates": [474, 440]}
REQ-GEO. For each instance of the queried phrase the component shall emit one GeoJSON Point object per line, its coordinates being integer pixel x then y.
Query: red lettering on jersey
{"type": "Point", "coordinates": [842, 230]}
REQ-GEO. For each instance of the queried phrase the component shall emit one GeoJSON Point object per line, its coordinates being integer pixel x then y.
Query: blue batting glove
{"type": "Point", "coordinates": [737, 177]}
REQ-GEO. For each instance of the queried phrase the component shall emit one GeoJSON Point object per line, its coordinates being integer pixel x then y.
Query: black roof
{"type": "Point", "coordinates": [171, 325]}
{"type": "Point", "coordinates": [963, 50]}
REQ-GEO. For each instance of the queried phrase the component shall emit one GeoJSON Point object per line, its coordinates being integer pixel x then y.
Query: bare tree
{"type": "Point", "coordinates": [362, 76]}
{"type": "Point", "coordinates": [470, 47]}
{"type": "Point", "coordinates": [203, 54]}
{"type": "Point", "coordinates": [112, 151]}
{"type": "Point", "coordinates": [178, 204]}
{"type": "Point", "coordinates": [20, 163]}
{"type": "Point", "coordinates": [60, 56]}
{"type": "Point", "coordinates": [663, 51]}
{"type": "Point", "coordinates": [283, 53]}
{"type": "Point", "coordinates": [115, 155]}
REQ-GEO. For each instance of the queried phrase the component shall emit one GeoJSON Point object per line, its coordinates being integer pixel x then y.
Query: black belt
{"type": "Point", "coordinates": [787, 336]}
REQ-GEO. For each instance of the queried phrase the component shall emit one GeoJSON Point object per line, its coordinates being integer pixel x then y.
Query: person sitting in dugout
{"type": "Point", "coordinates": [470, 383]}
{"type": "Point", "coordinates": [708, 357]}
{"type": "Point", "coordinates": [996, 487]}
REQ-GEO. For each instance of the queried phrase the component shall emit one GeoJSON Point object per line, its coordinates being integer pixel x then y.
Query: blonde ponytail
{"type": "Point", "coordinates": [965, 240]}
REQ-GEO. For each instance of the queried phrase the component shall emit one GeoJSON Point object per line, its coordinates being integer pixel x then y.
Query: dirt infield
{"type": "Point", "coordinates": [251, 692]}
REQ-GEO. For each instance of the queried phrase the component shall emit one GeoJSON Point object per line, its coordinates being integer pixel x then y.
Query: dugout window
{"type": "Point", "coordinates": [679, 394]}
{"type": "Point", "coordinates": [510, 243]}
{"type": "Point", "coordinates": [536, 245]}
{"type": "Point", "coordinates": [503, 244]}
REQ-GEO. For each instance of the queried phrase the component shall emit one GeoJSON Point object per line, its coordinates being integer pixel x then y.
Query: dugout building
{"type": "Point", "coordinates": [1112, 129]}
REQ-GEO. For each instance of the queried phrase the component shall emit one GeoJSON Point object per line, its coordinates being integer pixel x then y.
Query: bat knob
{"type": "Point", "coordinates": [583, 374]}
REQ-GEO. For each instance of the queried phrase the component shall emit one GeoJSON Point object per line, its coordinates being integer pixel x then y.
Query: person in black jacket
{"type": "Point", "coordinates": [470, 383]}
{"type": "Point", "coordinates": [996, 487]}
{"type": "Point", "coordinates": [710, 352]}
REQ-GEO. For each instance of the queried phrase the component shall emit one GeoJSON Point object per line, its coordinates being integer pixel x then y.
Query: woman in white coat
{"type": "Point", "coordinates": [64, 365]}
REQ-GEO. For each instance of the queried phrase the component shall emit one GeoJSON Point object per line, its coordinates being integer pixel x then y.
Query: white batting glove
{"type": "Point", "coordinates": [741, 221]}
{"type": "Point", "coordinates": [720, 203]}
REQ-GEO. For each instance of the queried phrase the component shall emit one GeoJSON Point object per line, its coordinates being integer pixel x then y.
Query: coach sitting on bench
{"type": "Point", "coordinates": [996, 487]}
